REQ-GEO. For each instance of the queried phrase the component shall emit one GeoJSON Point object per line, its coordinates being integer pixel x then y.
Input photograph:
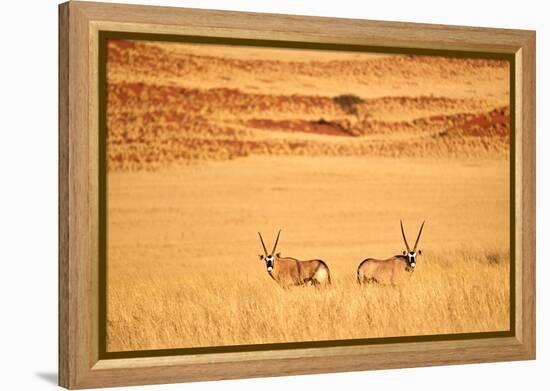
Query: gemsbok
{"type": "Point", "coordinates": [287, 271]}
{"type": "Point", "coordinates": [392, 270]}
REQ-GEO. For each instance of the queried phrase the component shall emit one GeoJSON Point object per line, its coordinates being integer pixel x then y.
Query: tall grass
{"type": "Point", "coordinates": [462, 291]}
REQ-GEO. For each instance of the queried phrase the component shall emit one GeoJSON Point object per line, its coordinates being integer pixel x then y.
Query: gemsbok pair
{"type": "Point", "coordinates": [287, 271]}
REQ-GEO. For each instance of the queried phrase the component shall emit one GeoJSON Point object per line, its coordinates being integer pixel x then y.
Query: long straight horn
{"type": "Point", "coordinates": [276, 241]}
{"type": "Point", "coordinates": [418, 237]}
{"type": "Point", "coordinates": [263, 245]}
{"type": "Point", "coordinates": [404, 238]}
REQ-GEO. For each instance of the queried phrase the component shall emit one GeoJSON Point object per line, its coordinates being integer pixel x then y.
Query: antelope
{"type": "Point", "coordinates": [287, 271]}
{"type": "Point", "coordinates": [391, 270]}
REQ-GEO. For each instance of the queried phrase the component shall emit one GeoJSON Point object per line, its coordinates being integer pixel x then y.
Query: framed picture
{"type": "Point", "coordinates": [248, 195]}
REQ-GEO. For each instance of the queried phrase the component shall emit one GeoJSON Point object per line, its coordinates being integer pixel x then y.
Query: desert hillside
{"type": "Point", "coordinates": [170, 103]}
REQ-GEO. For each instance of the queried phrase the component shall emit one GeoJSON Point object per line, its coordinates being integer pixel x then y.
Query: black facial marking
{"type": "Point", "coordinates": [411, 259]}
{"type": "Point", "coordinates": [269, 261]}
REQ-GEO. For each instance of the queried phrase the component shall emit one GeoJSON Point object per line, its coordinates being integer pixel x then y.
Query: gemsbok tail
{"type": "Point", "coordinates": [327, 270]}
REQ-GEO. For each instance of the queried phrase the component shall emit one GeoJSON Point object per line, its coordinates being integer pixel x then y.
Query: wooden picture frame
{"type": "Point", "coordinates": [80, 361]}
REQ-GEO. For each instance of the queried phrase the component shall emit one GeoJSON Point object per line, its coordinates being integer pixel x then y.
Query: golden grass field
{"type": "Point", "coordinates": [207, 146]}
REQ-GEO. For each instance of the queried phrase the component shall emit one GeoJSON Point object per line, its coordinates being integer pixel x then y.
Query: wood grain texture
{"type": "Point", "coordinates": [64, 368]}
{"type": "Point", "coordinates": [296, 28]}
{"type": "Point", "coordinates": [528, 198]}
{"type": "Point", "coordinates": [76, 279]}
{"type": "Point", "coordinates": [79, 364]}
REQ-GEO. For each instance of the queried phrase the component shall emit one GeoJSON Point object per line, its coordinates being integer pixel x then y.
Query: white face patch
{"type": "Point", "coordinates": [412, 259]}
{"type": "Point", "coordinates": [270, 261]}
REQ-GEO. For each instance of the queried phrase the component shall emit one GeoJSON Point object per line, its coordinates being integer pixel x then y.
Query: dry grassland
{"type": "Point", "coordinates": [462, 291]}
{"type": "Point", "coordinates": [183, 250]}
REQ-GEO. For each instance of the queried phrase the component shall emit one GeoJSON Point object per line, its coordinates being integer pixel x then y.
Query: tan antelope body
{"type": "Point", "coordinates": [287, 271]}
{"type": "Point", "coordinates": [391, 271]}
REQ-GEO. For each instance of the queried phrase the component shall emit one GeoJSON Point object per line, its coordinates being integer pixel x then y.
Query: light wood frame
{"type": "Point", "coordinates": [79, 363]}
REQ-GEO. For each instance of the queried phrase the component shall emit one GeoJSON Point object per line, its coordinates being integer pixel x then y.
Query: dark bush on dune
{"type": "Point", "coordinates": [348, 103]}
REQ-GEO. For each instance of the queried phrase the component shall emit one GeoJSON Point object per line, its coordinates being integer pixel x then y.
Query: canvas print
{"type": "Point", "coordinates": [267, 195]}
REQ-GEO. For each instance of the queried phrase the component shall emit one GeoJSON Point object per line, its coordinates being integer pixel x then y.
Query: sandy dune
{"type": "Point", "coordinates": [172, 103]}
{"type": "Point", "coordinates": [298, 72]}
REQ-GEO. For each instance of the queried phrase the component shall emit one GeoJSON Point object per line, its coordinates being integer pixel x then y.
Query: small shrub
{"type": "Point", "coordinates": [348, 103]}
{"type": "Point", "coordinates": [493, 258]}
